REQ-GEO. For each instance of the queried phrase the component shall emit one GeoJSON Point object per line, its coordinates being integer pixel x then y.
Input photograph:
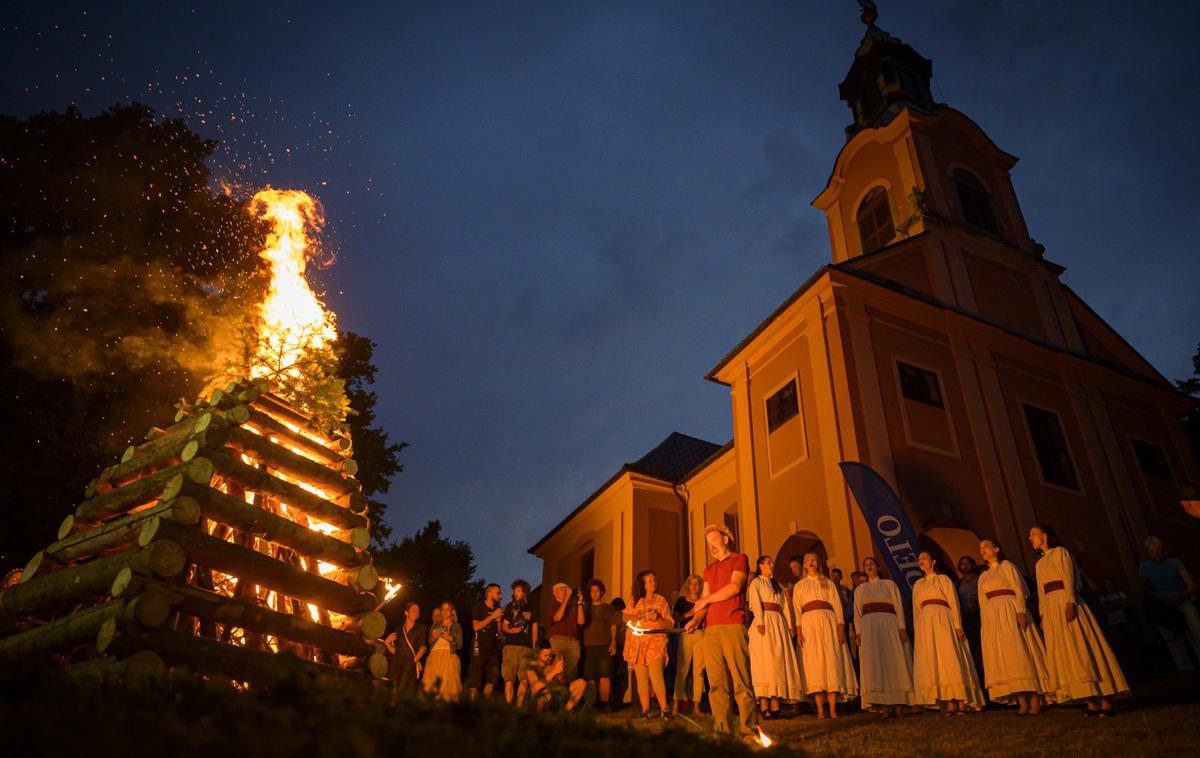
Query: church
{"type": "Point", "coordinates": [940, 347]}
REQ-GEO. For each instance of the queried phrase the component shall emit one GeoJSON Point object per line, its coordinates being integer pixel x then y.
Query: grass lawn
{"type": "Point", "coordinates": [1162, 722]}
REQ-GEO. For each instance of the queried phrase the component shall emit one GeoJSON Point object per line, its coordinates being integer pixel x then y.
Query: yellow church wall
{"type": "Point", "coordinates": [603, 526]}
{"type": "Point", "coordinates": [711, 492]}
{"type": "Point", "coordinates": [658, 530]}
{"type": "Point", "coordinates": [1004, 292]}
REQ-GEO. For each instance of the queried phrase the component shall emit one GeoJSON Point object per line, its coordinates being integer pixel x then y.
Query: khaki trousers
{"type": "Point", "coordinates": [689, 667]}
{"type": "Point", "coordinates": [567, 649]}
{"type": "Point", "coordinates": [727, 666]}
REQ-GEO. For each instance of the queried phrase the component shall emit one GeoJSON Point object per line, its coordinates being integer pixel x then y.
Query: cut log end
{"type": "Point", "coordinates": [377, 664]}
{"type": "Point", "coordinates": [201, 470]}
{"type": "Point", "coordinates": [32, 567]}
{"type": "Point", "coordinates": [184, 510]}
{"type": "Point", "coordinates": [128, 454]}
{"type": "Point", "coordinates": [106, 635]}
{"type": "Point", "coordinates": [189, 451]}
{"type": "Point", "coordinates": [371, 624]}
{"type": "Point", "coordinates": [239, 414]}
{"type": "Point", "coordinates": [167, 558]}
{"type": "Point", "coordinates": [360, 537]}
{"type": "Point", "coordinates": [202, 422]}
{"type": "Point", "coordinates": [173, 487]}
{"type": "Point", "coordinates": [66, 527]}
{"type": "Point", "coordinates": [121, 582]}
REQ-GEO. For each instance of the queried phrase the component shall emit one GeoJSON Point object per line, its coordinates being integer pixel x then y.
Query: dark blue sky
{"type": "Point", "coordinates": [555, 217]}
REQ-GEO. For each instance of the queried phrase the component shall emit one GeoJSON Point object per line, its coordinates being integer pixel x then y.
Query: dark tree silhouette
{"type": "Point", "coordinates": [432, 569]}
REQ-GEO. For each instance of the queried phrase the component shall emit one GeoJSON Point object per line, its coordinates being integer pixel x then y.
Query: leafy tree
{"type": "Point", "coordinates": [1191, 419]}
{"type": "Point", "coordinates": [432, 569]}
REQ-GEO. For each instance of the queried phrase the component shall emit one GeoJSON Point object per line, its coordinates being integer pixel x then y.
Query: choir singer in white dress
{"type": "Point", "coordinates": [821, 634]}
{"type": "Point", "coordinates": [773, 666]}
{"type": "Point", "coordinates": [1014, 660]}
{"type": "Point", "coordinates": [943, 671]}
{"type": "Point", "coordinates": [885, 676]}
{"type": "Point", "coordinates": [1081, 664]}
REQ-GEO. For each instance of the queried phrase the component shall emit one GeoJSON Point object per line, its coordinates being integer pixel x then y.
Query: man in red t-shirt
{"type": "Point", "coordinates": [722, 611]}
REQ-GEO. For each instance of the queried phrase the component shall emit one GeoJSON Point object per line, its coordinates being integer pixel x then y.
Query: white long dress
{"type": "Point", "coordinates": [942, 664]}
{"type": "Point", "coordinates": [885, 666]}
{"type": "Point", "coordinates": [1014, 659]}
{"type": "Point", "coordinates": [773, 666]}
{"type": "Point", "coordinates": [826, 662]}
{"type": "Point", "coordinates": [1080, 662]}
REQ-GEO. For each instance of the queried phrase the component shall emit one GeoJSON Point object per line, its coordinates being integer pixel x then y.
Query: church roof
{"type": "Point", "coordinates": [671, 460]}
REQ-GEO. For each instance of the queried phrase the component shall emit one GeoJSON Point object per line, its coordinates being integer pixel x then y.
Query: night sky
{"type": "Point", "coordinates": [555, 217]}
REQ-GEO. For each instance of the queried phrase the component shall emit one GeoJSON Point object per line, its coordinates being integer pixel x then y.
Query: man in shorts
{"type": "Point", "coordinates": [485, 651]}
{"type": "Point", "coordinates": [599, 642]}
{"type": "Point", "coordinates": [520, 637]}
{"type": "Point", "coordinates": [549, 686]}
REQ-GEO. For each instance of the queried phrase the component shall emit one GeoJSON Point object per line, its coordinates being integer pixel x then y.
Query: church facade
{"type": "Point", "coordinates": [940, 347]}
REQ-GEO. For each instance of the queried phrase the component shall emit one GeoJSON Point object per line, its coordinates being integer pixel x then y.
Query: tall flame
{"type": "Point", "coordinates": [293, 319]}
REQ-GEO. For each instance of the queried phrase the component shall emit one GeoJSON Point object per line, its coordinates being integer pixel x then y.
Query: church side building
{"type": "Point", "coordinates": [941, 348]}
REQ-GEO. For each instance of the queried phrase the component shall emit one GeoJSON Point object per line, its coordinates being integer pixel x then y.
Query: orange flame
{"type": "Point", "coordinates": [293, 319]}
{"type": "Point", "coordinates": [763, 739]}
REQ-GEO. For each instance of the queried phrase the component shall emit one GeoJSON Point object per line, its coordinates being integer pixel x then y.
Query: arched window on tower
{"type": "Point", "coordinates": [976, 203]}
{"type": "Point", "coordinates": [874, 218]}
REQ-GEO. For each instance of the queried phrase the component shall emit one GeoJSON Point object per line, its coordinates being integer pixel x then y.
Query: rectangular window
{"type": "Point", "coordinates": [783, 406]}
{"type": "Point", "coordinates": [1152, 459]}
{"type": "Point", "coordinates": [920, 385]}
{"type": "Point", "coordinates": [731, 523]}
{"type": "Point", "coordinates": [1050, 445]}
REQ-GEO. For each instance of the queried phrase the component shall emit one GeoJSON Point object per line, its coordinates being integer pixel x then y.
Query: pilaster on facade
{"type": "Point", "coordinates": [841, 546]}
{"type": "Point", "coordinates": [1022, 511]}
{"type": "Point", "coordinates": [1062, 311]}
{"type": "Point", "coordinates": [743, 442]}
{"type": "Point", "coordinates": [1102, 467]}
{"type": "Point", "coordinates": [964, 293]}
{"type": "Point", "coordinates": [1122, 476]}
{"type": "Point", "coordinates": [990, 467]}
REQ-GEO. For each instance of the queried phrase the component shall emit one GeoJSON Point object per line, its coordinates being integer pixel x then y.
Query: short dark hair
{"type": "Point", "coordinates": [409, 604]}
{"type": "Point", "coordinates": [618, 603]}
{"type": "Point", "coordinates": [489, 587]}
{"type": "Point", "coordinates": [796, 559]}
{"type": "Point", "coordinates": [597, 583]}
{"type": "Point", "coordinates": [837, 570]}
{"type": "Point", "coordinates": [523, 585]}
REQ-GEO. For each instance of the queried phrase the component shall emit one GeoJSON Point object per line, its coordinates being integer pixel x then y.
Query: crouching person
{"type": "Point", "coordinates": [548, 686]}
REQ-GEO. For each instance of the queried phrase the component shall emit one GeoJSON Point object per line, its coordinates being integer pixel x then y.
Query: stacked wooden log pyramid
{"type": "Point", "coordinates": [231, 545]}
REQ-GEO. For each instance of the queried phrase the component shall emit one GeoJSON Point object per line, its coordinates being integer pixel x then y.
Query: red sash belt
{"type": "Point", "coordinates": [1000, 593]}
{"type": "Point", "coordinates": [935, 601]}
{"type": "Point", "coordinates": [878, 608]}
{"type": "Point", "coordinates": [1054, 586]}
{"type": "Point", "coordinates": [773, 607]}
{"type": "Point", "coordinates": [816, 605]}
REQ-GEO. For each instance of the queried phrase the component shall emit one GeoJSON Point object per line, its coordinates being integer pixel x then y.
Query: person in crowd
{"type": "Point", "coordinates": [599, 643]}
{"type": "Point", "coordinates": [407, 646]}
{"type": "Point", "coordinates": [721, 610]}
{"type": "Point", "coordinates": [621, 680]}
{"type": "Point", "coordinates": [1170, 590]}
{"type": "Point", "coordinates": [1080, 662]}
{"type": "Point", "coordinates": [796, 566]}
{"type": "Point", "coordinates": [646, 654]}
{"type": "Point", "coordinates": [562, 623]}
{"type": "Point", "coordinates": [435, 617]}
{"type": "Point", "coordinates": [443, 669]}
{"type": "Point", "coordinates": [885, 658]}
{"type": "Point", "coordinates": [828, 671]}
{"type": "Point", "coordinates": [943, 671]}
{"type": "Point", "coordinates": [689, 661]}
{"type": "Point", "coordinates": [520, 636]}
{"type": "Point", "coordinates": [1116, 613]}
{"type": "Point", "coordinates": [549, 687]}
{"type": "Point", "coordinates": [774, 670]}
{"type": "Point", "coordinates": [967, 588]}
{"type": "Point", "coordinates": [1014, 659]}
{"type": "Point", "coordinates": [484, 670]}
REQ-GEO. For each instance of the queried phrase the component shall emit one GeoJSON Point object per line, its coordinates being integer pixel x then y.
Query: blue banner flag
{"type": "Point", "coordinates": [891, 530]}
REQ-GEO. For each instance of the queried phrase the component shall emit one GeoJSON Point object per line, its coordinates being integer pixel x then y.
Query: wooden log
{"type": "Point", "coordinates": [180, 430]}
{"type": "Point", "coordinates": [294, 465]}
{"type": "Point", "coordinates": [277, 407]}
{"type": "Point", "coordinates": [136, 671]}
{"type": "Point", "coordinates": [33, 567]}
{"type": "Point", "coordinates": [144, 490]}
{"type": "Point", "coordinates": [370, 625]}
{"type": "Point", "coordinates": [362, 578]}
{"type": "Point", "coordinates": [149, 610]}
{"type": "Point", "coordinates": [257, 480]}
{"type": "Point", "coordinates": [206, 656]}
{"type": "Point", "coordinates": [98, 577]}
{"type": "Point", "coordinates": [218, 608]}
{"type": "Point", "coordinates": [258, 568]}
{"type": "Point", "coordinates": [360, 537]}
{"type": "Point", "coordinates": [112, 534]}
{"type": "Point", "coordinates": [251, 519]}
{"type": "Point", "coordinates": [349, 467]}
{"type": "Point", "coordinates": [268, 425]}
{"type": "Point", "coordinates": [68, 631]}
